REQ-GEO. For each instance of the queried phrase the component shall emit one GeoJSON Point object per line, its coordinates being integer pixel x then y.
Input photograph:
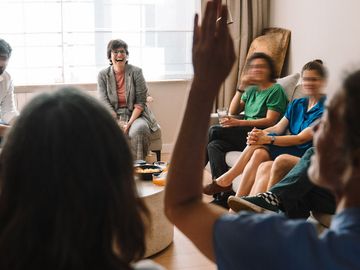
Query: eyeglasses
{"type": "Point", "coordinates": [119, 51]}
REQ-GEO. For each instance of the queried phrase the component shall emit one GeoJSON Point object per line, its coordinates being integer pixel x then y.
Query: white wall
{"type": "Point", "coordinates": [168, 106]}
{"type": "Point", "coordinates": [325, 29]}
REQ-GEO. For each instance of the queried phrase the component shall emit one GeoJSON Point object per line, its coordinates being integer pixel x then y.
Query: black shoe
{"type": "Point", "coordinates": [221, 199]}
{"type": "Point", "coordinates": [263, 202]}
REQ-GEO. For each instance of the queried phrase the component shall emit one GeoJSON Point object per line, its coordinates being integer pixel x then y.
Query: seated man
{"type": "Point", "coordinates": [295, 195]}
{"type": "Point", "coordinates": [8, 111]}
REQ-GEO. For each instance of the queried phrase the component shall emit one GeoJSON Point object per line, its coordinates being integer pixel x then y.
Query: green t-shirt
{"type": "Point", "coordinates": [258, 102]}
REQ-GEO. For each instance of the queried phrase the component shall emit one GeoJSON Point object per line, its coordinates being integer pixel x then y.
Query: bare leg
{"type": "Point", "coordinates": [262, 178]}
{"type": "Point", "coordinates": [248, 177]}
{"type": "Point", "coordinates": [227, 178]}
{"type": "Point", "coordinates": [281, 166]}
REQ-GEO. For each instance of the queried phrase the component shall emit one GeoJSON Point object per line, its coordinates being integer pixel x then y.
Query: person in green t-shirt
{"type": "Point", "coordinates": [263, 102]}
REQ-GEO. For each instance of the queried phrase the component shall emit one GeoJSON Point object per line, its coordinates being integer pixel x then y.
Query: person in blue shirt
{"type": "Point", "coordinates": [264, 241]}
{"type": "Point", "coordinates": [267, 144]}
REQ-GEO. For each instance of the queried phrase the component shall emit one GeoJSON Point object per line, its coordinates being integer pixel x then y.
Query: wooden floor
{"type": "Point", "coordinates": [182, 254]}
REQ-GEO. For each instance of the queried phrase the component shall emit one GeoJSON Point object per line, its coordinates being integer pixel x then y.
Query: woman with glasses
{"type": "Point", "coordinates": [268, 144]}
{"type": "Point", "coordinates": [122, 88]}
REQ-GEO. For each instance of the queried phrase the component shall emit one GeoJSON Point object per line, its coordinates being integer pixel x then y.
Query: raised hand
{"type": "Point", "coordinates": [213, 57]}
{"type": "Point", "coordinates": [213, 48]}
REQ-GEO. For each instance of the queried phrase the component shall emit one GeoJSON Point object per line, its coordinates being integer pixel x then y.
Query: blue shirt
{"type": "Point", "coordinates": [271, 241]}
{"type": "Point", "coordinates": [300, 118]}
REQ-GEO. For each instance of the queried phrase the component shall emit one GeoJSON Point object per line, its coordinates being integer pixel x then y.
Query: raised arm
{"type": "Point", "coordinates": [213, 57]}
{"type": "Point", "coordinates": [236, 104]}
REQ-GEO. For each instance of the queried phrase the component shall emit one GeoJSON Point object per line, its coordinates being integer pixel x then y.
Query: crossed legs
{"type": "Point", "coordinates": [241, 164]}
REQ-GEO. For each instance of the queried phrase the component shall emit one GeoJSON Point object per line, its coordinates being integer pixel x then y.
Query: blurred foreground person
{"type": "Point", "coordinates": [68, 198]}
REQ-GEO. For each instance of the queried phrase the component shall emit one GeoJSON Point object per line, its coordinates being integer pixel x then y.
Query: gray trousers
{"type": "Point", "coordinates": [139, 135]}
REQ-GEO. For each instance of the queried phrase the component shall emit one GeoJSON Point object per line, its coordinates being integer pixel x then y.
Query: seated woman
{"type": "Point", "coordinates": [267, 144]}
{"type": "Point", "coordinates": [68, 199]}
{"type": "Point", "coordinates": [122, 88]}
{"type": "Point", "coordinates": [263, 102]}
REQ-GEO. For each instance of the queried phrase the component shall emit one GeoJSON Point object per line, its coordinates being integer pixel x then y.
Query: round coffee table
{"type": "Point", "coordinates": [161, 232]}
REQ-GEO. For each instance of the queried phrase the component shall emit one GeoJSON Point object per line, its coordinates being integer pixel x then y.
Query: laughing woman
{"type": "Point", "coordinates": [122, 88]}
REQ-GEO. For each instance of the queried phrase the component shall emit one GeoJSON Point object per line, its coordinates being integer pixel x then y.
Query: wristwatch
{"type": "Point", "coordinates": [272, 139]}
{"type": "Point", "coordinates": [241, 91]}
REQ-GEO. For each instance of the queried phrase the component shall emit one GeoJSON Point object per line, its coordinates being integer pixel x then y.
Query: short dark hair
{"type": "Point", "coordinates": [5, 48]}
{"type": "Point", "coordinates": [351, 94]}
{"type": "Point", "coordinates": [68, 194]}
{"type": "Point", "coordinates": [316, 65]}
{"type": "Point", "coordinates": [115, 44]}
{"type": "Point", "coordinates": [269, 61]}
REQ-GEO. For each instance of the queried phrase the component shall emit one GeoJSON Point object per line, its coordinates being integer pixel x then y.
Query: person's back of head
{"type": "Point", "coordinates": [5, 53]}
{"type": "Point", "coordinates": [352, 112]}
{"type": "Point", "coordinates": [68, 199]}
{"type": "Point", "coordinates": [5, 48]}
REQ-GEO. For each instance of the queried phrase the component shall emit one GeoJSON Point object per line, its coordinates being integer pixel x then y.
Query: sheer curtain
{"type": "Point", "coordinates": [64, 41]}
{"type": "Point", "coordinates": [250, 17]}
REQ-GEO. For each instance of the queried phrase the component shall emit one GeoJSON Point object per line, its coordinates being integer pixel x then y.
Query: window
{"type": "Point", "coordinates": [64, 41]}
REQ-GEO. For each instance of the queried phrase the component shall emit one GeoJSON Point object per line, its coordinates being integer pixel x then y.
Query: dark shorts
{"type": "Point", "coordinates": [276, 151]}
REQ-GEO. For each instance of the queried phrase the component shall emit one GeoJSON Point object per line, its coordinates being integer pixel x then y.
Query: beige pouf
{"type": "Point", "coordinates": [161, 232]}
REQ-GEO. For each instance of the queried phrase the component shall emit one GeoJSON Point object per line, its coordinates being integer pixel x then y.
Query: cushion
{"type": "Point", "coordinates": [298, 92]}
{"type": "Point", "coordinates": [274, 42]}
{"type": "Point", "coordinates": [289, 84]}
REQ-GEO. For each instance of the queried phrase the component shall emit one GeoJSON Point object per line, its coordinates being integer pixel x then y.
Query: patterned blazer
{"type": "Point", "coordinates": [135, 92]}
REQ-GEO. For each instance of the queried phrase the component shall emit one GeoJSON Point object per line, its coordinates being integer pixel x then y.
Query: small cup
{"type": "Point", "coordinates": [161, 164]}
{"type": "Point", "coordinates": [122, 121]}
{"type": "Point", "coordinates": [222, 112]}
{"type": "Point", "coordinates": [159, 179]}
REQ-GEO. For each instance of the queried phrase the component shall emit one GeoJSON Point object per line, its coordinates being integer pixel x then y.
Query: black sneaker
{"type": "Point", "coordinates": [263, 202]}
{"type": "Point", "coordinates": [221, 199]}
